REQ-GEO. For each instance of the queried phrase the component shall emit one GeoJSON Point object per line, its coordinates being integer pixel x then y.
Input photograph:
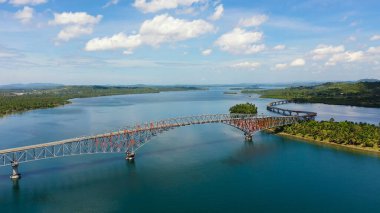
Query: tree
{"type": "Point", "coordinates": [246, 108]}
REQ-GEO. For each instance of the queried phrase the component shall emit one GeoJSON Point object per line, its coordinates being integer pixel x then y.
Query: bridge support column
{"type": "Point", "coordinates": [130, 156]}
{"type": "Point", "coordinates": [248, 137]}
{"type": "Point", "coordinates": [15, 174]}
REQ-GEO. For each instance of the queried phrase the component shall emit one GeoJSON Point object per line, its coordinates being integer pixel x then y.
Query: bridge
{"type": "Point", "coordinates": [130, 140]}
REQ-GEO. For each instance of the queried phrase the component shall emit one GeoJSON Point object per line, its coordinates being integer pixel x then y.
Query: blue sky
{"type": "Point", "coordinates": [188, 41]}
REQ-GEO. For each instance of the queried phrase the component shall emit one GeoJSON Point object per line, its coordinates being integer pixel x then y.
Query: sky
{"type": "Point", "coordinates": [161, 42]}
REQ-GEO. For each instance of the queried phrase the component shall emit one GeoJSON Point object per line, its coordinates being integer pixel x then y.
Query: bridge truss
{"type": "Point", "coordinates": [131, 139]}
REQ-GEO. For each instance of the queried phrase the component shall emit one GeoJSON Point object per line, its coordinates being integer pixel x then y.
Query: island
{"type": "Point", "coordinates": [364, 94]}
{"type": "Point", "coordinates": [246, 108]}
{"type": "Point", "coordinates": [20, 100]}
{"type": "Point", "coordinates": [348, 134]}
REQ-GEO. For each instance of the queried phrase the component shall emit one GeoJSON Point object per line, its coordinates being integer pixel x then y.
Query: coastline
{"type": "Point", "coordinates": [68, 101]}
{"type": "Point", "coordinates": [353, 148]}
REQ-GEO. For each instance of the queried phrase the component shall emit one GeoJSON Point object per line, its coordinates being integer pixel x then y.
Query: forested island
{"type": "Point", "coordinates": [349, 134]}
{"type": "Point", "coordinates": [246, 108]}
{"type": "Point", "coordinates": [19, 100]}
{"type": "Point", "coordinates": [366, 94]}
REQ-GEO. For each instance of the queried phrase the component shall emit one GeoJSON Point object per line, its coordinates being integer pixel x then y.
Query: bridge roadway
{"type": "Point", "coordinates": [131, 139]}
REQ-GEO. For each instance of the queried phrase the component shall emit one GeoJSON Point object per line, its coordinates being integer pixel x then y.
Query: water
{"type": "Point", "coordinates": [204, 168]}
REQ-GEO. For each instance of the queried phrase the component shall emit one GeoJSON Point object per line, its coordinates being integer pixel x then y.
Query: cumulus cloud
{"type": "Point", "coordinates": [24, 15]}
{"type": "Point", "coordinates": [279, 47]}
{"type": "Point", "coordinates": [347, 56]}
{"type": "Point", "coordinates": [217, 13]}
{"type": "Point", "coordinates": [26, 2]}
{"type": "Point", "coordinates": [375, 38]}
{"type": "Point", "coordinates": [374, 50]}
{"type": "Point", "coordinates": [299, 62]}
{"type": "Point", "coordinates": [322, 51]}
{"type": "Point", "coordinates": [79, 18]}
{"type": "Point", "coordinates": [207, 52]}
{"type": "Point", "coordinates": [118, 41]}
{"type": "Point", "coordinates": [253, 21]}
{"type": "Point", "coordinates": [75, 24]}
{"type": "Point", "coordinates": [165, 28]}
{"type": "Point", "coordinates": [280, 66]}
{"type": "Point", "coordinates": [157, 5]}
{"type": "Point", "coordinates": [160, 29]}
{"type": "Point", "coordinates": [73, 31]}
{"type": "Point", "coordinates": [246, 65]}
{"type": "Point", "coordinates": [240, 41]}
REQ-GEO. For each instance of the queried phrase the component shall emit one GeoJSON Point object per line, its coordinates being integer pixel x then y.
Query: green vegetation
{"type": "Point", "coordinates": [12, 101]}
{"type": "Point", "coordinates": [250, 91]}
{"type": "Point", "coordinates": [344, 133]}
{"type": "Point", "coordinates": [365, 94]}
{"type": "Point", "coordinates": [230, 93]}
{"type": "Point", "coordinates": [246, 108]}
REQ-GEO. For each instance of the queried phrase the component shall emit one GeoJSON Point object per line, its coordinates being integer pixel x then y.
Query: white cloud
{"type": "Point", "coordinates": [217, 13]}
{"type": "Point", "coordinates": [2, 1]}
{"type": "Point", "coordinates": [160, 29]}
{"type": "Point", "coordinates": [322, 51]}
{"type": "Point", "coordinates": [240, 41]}
{"type": "Point", "coordinates": [157, 5]}
{"type": "Point", "coordinates": [280, 66]}
{"type": "Point", "coordinates": [299, 62]}
{"type": "Point", "coordinates": [279, 47]}
{"type": "Point", "coordinates": [6, 54]}
{"type": "Point", "coordinates": [110, 3]}
{"type": "Point", "coordinates": [374, 50]}
{"type": "Point", "coordinates": [76, 24]}
{"type": "Point", "coordinates": [165, 28]}
{"type": "Point", "coordinates": [26, 2]}
{"type": "Point", "coordinates": [73, 31]}
{"type": "Point", "coordinates": [253, 21]}
{"type": "Point", "coordinates": [375, 38]}
{"type": "Point", "coordinates": [246, 65]}
{"type": "Point", "coordinates": [24, 15]}
{"type": "Point", "coordinates": [79, 18]}
{"type": "Point", "coordinates": [351, 38]}
{"type": "Point", "coordinates": [347, 56]}
{"type": "Point", "coordinates": [118, 41]}
{"type": "Point", "coordinates": [207, 52]}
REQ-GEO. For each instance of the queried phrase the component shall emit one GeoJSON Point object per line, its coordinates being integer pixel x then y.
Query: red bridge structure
{"type": "Point", "coordinates": [131, 139]}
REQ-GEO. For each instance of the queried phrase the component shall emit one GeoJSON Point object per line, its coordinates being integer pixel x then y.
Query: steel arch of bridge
{"type": "Point", "coordinates": [131, 139]}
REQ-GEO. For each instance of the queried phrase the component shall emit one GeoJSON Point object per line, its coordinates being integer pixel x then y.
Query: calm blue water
{"type": "Point", "coordinates": [205, 168]}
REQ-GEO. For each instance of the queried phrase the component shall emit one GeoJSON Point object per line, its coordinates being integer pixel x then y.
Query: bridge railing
{"type": "Point", "coordinates": [306, 115]}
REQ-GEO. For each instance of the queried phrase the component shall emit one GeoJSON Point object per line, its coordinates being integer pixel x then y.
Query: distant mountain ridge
{"type": "Point", "coordinates": [31, 86]}
{"type": "Point", "coordinates": [369, 80]}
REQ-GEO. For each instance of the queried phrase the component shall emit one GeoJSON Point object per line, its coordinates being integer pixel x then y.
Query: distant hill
{"type": "Point", "coordinates": [365, 94]}
{"type": "Point", "coordinates": [30, 86]}
{"type": "Point", "coordinates": [369, 80]}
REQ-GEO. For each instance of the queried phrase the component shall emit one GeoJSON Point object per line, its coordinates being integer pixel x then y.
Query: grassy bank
{"type": "Point", "coordinates": [15, 101]}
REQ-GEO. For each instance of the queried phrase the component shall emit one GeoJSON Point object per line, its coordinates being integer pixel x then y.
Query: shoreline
{"type": "Point", "coordinates": [352, 148]}
{"type": "Point", "coordinates": [69, 101]}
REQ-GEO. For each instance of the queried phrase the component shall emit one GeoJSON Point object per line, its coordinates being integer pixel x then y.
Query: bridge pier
{"type": "Point", "coordinates": [248, 137]}
{"type": "Point", "coordinates": [130, 156]}
{"type": "Point", "coordinates": [15, 174]}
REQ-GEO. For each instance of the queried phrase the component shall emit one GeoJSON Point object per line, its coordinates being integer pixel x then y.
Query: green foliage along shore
{"type": "Point", "coordinates": [246, 108]}
{"type": "Point", "coordinates": [345, 133]}
{"type": "Point", "coordinates": [366, 94]}
{"type": "Point", "coordinates": [13, 101]}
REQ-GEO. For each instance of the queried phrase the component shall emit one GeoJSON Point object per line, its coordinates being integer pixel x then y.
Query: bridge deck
{"type": "Point", "coordinates": [131, 139]}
